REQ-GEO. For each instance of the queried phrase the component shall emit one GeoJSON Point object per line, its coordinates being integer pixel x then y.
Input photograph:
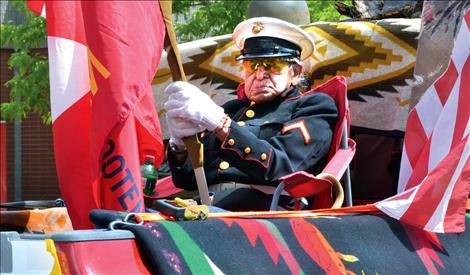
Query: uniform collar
{"type": "Point", "coordinates": [290, 92]}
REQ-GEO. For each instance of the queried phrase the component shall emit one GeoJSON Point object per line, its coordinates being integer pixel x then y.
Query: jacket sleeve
{"type": "Point", "coordinates": [182, 176]}
{"type": "Point", "coordinates": [301, 144]}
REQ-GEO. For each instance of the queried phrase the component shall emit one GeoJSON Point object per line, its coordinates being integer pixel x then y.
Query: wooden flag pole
{"type": "Point", "coordinates": [194, 146]}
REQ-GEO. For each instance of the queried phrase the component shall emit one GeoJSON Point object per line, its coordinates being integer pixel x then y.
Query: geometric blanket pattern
{"type": "Point", "coordinates": [360, 244]}
{"type": "Point", "coordinates": [376, 57]}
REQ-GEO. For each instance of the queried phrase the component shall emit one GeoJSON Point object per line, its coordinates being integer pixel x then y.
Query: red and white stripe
{"type": "Point", "coordinates": [68, 73]}
{"type": "Point", "coordinates": [434, 177]}
{"type": "Point", "coordinates": [71, 108]}
{"type": "Point", "coordinates": [68, 60]}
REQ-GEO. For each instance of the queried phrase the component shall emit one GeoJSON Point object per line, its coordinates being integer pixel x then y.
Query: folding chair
{"type": "Point", "coordinates": [302, 184]}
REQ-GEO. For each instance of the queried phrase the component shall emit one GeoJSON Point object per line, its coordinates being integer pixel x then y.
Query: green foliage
{"type": "Point", "coordinates": [29, 87]}
{"type": "Point", "coordinates": [323, 11]}
{"type": "Point", "coordinates": [204, 19]}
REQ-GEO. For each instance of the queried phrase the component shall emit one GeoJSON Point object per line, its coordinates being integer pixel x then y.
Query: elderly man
{"type": "Point", "coordinates": [273, 131]}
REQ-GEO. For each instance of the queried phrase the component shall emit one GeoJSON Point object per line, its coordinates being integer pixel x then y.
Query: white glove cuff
{"type": "Point", "coordinates": [213, 118]}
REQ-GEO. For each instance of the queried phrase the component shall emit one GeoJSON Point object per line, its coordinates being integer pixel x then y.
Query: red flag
{"type": "Point", "coordinates": [37, 7]}
{"type": "Point", "coordinates": [435, 168]}
{"type": "Point", "coordinates": [102, 58]}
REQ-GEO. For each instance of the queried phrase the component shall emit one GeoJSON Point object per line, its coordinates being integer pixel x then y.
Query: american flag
{"type": "Point", "coordinates": [435, 169]}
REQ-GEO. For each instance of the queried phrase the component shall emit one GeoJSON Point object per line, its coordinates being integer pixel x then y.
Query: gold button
{"type": "Point", "coordinates": [263, 156]}
{"type": "Point", "coordinates": [250, 113]}
{"type": "Point", "coordinates": [241, 123]}
{"type": "Point", "coordinates": [247, 150]}
{"type": "Point", "coordinates": [231, 142]}
{"type": "Point", "coordinates": [224, 165]}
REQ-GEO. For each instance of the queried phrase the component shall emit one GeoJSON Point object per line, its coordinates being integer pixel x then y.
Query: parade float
{"type": "Point", "coordinates": [393, 69]}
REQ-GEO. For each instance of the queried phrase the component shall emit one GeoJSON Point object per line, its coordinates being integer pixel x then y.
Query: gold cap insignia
{"type": "Point", "coordinates": [257, 27]}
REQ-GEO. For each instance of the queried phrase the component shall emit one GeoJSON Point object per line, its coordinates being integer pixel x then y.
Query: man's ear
{"type": "Point", "coordinates": [298, 70]}
{"type": "Point", "coordinates": [296, 74]}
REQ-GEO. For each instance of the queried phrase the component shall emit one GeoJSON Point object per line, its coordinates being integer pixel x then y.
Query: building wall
{"type": "Point", "coordinates": [39, 179]}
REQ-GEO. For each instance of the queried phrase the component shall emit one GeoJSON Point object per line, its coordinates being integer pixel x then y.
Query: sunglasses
{"type": "Point", "coordinates": [272, 65]}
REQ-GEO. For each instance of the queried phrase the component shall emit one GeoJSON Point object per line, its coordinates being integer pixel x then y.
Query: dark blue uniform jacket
{"type": "Point", "coordinates": [266, 141]}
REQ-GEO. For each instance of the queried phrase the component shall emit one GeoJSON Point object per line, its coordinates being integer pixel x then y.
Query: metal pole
{"type": "Point", "coordinates": [347, 174]}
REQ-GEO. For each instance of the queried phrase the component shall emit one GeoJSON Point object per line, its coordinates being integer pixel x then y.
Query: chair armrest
{"type": "Point", "coordinates": [340, 161]}
{"type": "Point", "coordinates": [302, 184]}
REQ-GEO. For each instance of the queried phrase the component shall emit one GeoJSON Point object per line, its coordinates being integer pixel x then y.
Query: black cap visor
{"type": "Point", "coordinates": [268, 47]}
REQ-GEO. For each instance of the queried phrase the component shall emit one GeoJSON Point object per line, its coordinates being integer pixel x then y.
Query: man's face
{"type": "Point", "coordinates": [266, 78]}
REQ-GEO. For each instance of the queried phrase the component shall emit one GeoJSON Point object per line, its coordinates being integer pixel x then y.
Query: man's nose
{"type": "Point", "coordinates": [260, 73]}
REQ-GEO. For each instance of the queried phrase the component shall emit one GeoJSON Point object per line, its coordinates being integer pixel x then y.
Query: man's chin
{"type": "Point", "coordinates": [262, 97]}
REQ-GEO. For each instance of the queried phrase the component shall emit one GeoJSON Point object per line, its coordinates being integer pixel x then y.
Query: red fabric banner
{"type": "Point", "coordinates": [126, 40]}
{"type": "Point", "coordinates": [102, 58]}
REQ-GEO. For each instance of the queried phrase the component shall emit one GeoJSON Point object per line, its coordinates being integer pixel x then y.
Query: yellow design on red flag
{"type": "Point", "coordinates": [93, 62]}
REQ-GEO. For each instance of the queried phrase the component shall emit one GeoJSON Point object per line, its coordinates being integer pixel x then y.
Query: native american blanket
{"type": "Point", "coordinates": [361, 244]}
{"type": "Point", "coordinates": [376, 57]}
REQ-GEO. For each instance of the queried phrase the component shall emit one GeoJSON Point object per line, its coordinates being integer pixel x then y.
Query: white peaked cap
{"type": "Point", "coordinates": [273, 27]}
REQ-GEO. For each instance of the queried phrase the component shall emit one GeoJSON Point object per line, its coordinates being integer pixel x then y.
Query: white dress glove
{"type": "Point", "coordinates": [180, 128]}
{"type": "Point", "coordinates": [186, 101]}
